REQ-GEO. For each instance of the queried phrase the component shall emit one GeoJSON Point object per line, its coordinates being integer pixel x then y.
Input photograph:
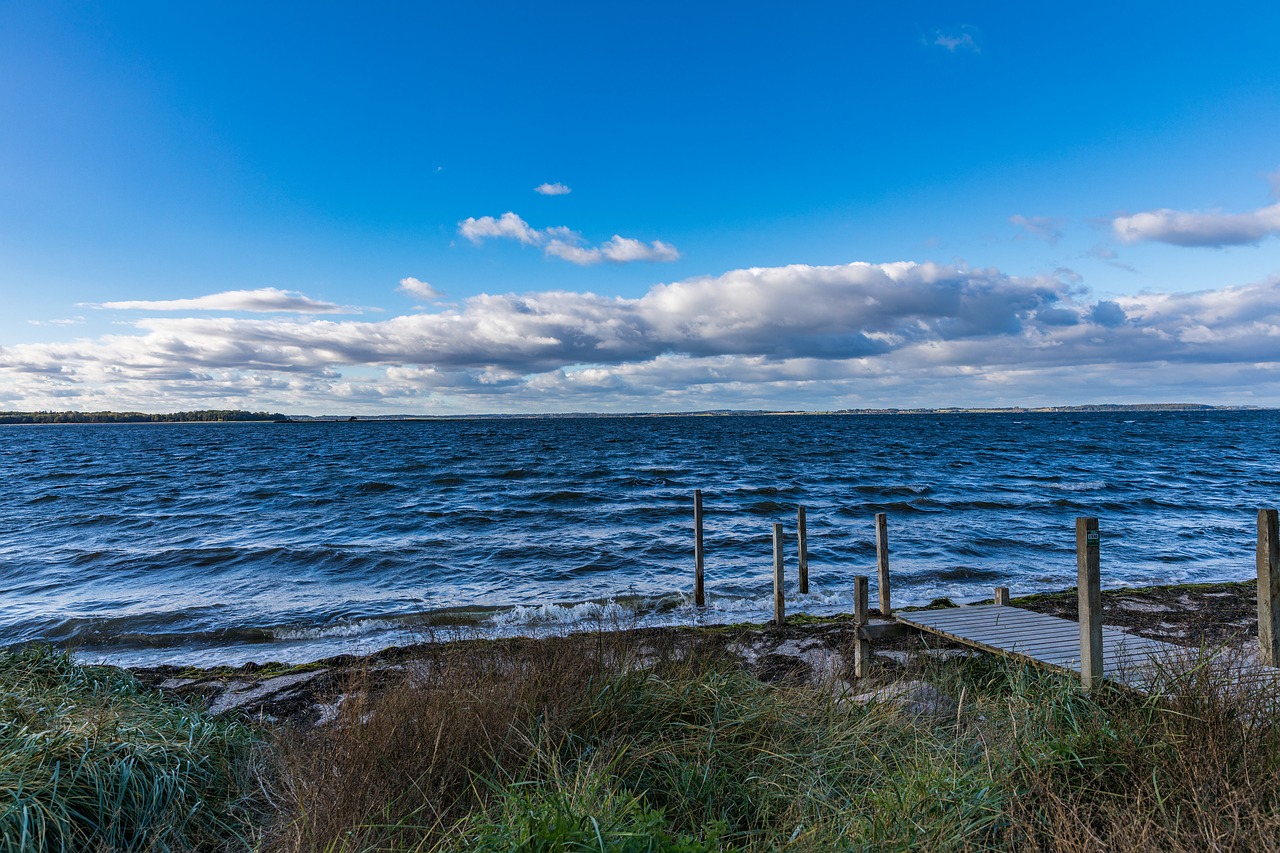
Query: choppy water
{"type": "Point", "coordinates": [232, 542]}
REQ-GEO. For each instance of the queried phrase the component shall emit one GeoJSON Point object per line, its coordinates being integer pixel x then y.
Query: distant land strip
{"type": "Point", "coordinates": [214, 415]}
{"type": "Point", "coordinates": [201, 416]}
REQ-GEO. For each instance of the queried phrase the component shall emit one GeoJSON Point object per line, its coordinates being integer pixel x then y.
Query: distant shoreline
{"type": "Point", "coordinates": [238, 416]}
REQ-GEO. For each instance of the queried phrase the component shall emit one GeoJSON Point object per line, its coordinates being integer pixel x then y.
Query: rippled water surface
{"type": "Point", "coordinates": [231, 542]}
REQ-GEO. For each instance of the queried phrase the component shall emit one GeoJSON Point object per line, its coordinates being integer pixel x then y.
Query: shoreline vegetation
{"type": "Point", "coordinates": [712, 738]}
{"type": "Point", "coordinates": [237, 415]}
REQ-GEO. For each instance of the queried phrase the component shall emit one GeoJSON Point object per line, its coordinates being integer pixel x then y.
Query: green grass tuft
{"type": "Point", "coordinates": [91, 760]}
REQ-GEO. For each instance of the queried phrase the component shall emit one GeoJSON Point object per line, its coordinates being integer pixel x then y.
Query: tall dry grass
{"type": "Point", "coordinates": [639, 742]}
{"type": "Point", "coordinates": [615, 744]}
{"type": "Point", "coordinates": [410, 753]}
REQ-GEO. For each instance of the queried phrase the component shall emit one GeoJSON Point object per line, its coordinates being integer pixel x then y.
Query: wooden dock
{"type": "Point", "coordinates": [1094, 651]}
{"type": "Point", "coordinates": [1047, 640]}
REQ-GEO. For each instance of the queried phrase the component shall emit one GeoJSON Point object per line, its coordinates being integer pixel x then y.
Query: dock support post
{"type": "Point", "coordinates": [699, 594]}
{"type": "Point", "coordinates": [779, 600]}
{"type": "Point", "coordinates": [803, 537]}
{"type": "Point", "coordinates": [1268, 588]}
{"type": "Point", "coordinates": [1089, 587]}
{"type": "Point", "coordinates": [1002, 596]}
{"type": "Point", "coordinates": [882, 561]}
{"type": "Point", "coordinates": [861, 645]}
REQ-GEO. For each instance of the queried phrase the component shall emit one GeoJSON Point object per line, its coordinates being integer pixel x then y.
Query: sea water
{"type": "Point", "coordinates": [229, 542]}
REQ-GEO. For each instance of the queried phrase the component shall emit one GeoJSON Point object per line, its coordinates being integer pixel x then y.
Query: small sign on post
{"type": "Point", "coordinates": [1089, 587]}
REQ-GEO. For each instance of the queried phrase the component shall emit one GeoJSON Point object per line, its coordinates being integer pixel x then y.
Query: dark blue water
{"type": "Point", "coordinates": [232, 542]}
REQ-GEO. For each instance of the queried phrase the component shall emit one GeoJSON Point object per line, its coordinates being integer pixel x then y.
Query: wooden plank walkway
{"type": "Point", "coordinates": [1047, 640]}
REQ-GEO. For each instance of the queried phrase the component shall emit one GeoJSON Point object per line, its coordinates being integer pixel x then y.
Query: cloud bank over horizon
{"type": "Point", "coordinates": [798, 336]}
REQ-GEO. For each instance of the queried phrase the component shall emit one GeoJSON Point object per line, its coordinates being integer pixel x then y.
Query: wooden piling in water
{"type": "Point", "coordinates": [1268, 588]}
{"type": "Point", "coordinates": [699, 594]}
{"type": "Point", "coordinates": [802, 538]}
{"type": "Point", "coordinates": [1002, 596]}
{"type": "Point", "coordinates": [882, 562]}
{"type": "Point", "coordinates": [779, 599]}
{"type": "Point", "coordinates": [861, 644]}
{"type": "Point", "coordinates": [1089, 587]}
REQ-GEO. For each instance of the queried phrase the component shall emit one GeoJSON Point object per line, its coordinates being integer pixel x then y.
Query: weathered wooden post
{"type": "Point", "coordinates": [882, 561]}
{"type": "Point", "coordinates": [779, 601]}
{"type": "Point", "coordinates": [1268, 588]}
{"type": "Point", "coordinates": [803, 539]}
{"type": "Point", "coordinates": [699, 594]}
{"type": "Point", "coordinates": [1089, 587]}
{"type": "Point", "coordinates": [861, 646]}
{"type": "Point", "coordinates": [1002, 596]}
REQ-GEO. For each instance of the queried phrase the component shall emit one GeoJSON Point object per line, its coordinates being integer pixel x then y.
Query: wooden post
{"type": "Point", "coordinates": [1002, 596]}
{"type": "Point", "coordinates": [1268, 588]}
{"type": "Point", "coordinates": [882, 561]}
{"type": "Point", "coordinates": [699, 594]}
{"type": "Point", "coordinates": [861, 646]}
{"type": "Point", "coordinates": [1089, 585]}
{"type": "Point", "coordinates": [803, 537]}
{"type": "Point", "coordinates": [779, 600]}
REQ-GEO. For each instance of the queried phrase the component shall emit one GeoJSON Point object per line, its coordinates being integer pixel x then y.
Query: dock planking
{"type": "Point", "coordinates": [1046, 640]}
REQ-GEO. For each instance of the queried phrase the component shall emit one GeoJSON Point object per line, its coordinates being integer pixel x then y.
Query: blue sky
{"type": "Point", "coordinates": [322, 208]}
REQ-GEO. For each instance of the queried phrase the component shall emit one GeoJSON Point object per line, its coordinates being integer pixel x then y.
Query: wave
{"type": "Point", "coordinates": [1086, 486]}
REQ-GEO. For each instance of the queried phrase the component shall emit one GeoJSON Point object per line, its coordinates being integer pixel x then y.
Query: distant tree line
{"type": "Point", "coordinates": [203, 415]}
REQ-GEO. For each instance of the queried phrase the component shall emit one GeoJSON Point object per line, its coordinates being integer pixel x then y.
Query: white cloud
{"type": "Point", "coordinates": [507, 225]}
{"type": "Point", "coordinates": [618, 250]}
{"type": "Point", "coordinates": [897, 334]}
{"type": "Point", "coordinates": [1043, 227]}
{"type": "Point", "coordinates": [262, 300]}
{"type": "Point", "coordinates": [552, 189]}
{"type": "Point", "coordinates": [962, 38]}
{"type": "Point", "coordinates": [1183, 228]}
{"type": "Point", "coordinates": [62, 321]}
{"type": "Point", "coordinates": [565, 243]}
{"type": "Point", "coordinates": [419, 288]}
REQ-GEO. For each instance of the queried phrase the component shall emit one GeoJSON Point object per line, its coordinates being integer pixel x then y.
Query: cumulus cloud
{"type": "Point", "coordinates": [262, 300]}
{"type": "Point", "coordinates": [962, 38]}
{"type": "Point", "coordinates": [1192, 228]}
{"type": "Point", "coordinates": [1043, 227]}
{"type": "Point", "coordinates": [507, 225]}
{"type": "Point", "coordinates": [418, 287]}
{"type": "Point", "coordinates": [825, 336]}
{"type": "Point", "coordinates": [565, 243]}
{"type": "Point", "coordinates": [552, 189]}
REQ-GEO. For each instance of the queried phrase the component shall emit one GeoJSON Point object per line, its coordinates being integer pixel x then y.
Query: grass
{"type": "Point", "coordinates": [89, 760]}
{"type": "Point", "coordinates": [607, 748]}
{"type": "Point", "coordinates": [632, 743]}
